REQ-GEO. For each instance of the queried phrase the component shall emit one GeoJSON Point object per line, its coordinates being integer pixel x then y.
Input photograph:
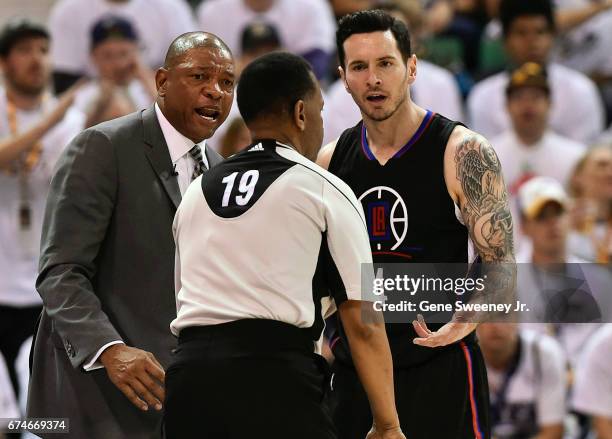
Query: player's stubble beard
{"type": "Point", "coordinates": [403, 95]}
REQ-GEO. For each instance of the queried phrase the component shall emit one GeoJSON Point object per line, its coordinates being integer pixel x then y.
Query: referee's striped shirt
{"type": "Point", "coordinates": [267, 234]}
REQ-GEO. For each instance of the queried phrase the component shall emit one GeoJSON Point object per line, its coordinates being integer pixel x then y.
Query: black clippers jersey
{"type": "Point", "coordinates": [409, 212]}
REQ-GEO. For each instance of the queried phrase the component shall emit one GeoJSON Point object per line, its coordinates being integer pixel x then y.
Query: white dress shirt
{"type": "Point", "coordinates": [179, 147]}
{"type": "Point", "coordinates": [184, 165]}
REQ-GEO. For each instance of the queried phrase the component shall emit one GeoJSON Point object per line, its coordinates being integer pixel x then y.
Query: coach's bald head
{"type": "Point", "coordinates": [196, 85]}
{"type": "Point", "coordinates": [193, 40]}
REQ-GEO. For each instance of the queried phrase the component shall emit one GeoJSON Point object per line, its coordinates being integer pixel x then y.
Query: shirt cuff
{"type": "Point", "coordinates": [94, 364]}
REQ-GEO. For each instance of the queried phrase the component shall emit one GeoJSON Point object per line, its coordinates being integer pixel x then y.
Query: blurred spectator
{"type": "Point", "coordinates": [591, 187]}
{"type": "Point", "coordinates": [576, 107]}
{"type": "Point", "coordinates": [236, 137]}
{"type": "Point", "coordinates": [530, 148]}
{"type": "Point", "coordinates": [527, 387]}
{"type": "Point", "coordinates": [122, 84]}
{"type": "Point", "coordinates": [435, 88]}
{"type": "Point", "coordinates": [548, 269]}
{"type": "Point", "coordinates": [543, 217]}
{"type": "Point", "coordinates": [593, 386]}
{"type": "Point", "coordinates": [34, 128]}
{"type": "Point", "coordinates": [465, 21]}
{"type": "Point", "coordinates": [343, 7]}
{"type": "Point", "coordinates": [257, 39]}
{"type": "Point", "coordinates": [157, 23]}
{"type": "Point", "coordinates": [8, 403]}
{"type": "Point", "coordinates": [586, 39]}
{"type": "Point", "coordinates": [306, 27]}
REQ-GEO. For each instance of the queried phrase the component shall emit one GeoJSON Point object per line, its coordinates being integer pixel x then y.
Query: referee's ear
{"type": "Point", "coordinates": [299, 115]}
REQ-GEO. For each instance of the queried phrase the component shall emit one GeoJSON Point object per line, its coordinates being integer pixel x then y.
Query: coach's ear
{"type": "Point", "coordinates": [299, 115]}
{"type": "Point", "coordinates": [161, 81]}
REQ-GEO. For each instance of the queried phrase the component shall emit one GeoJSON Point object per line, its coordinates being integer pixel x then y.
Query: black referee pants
{"type": "Point", "coordinates": [16, 326]}
{"type": "Point", "coordinates": [246, 379]}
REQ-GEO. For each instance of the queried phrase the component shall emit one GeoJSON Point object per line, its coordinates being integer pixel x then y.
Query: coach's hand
{"type": "Point", "coordinates": [137, 374]}
{"type": "Point", "coordinates": [450, 333]}
{"type": "Point", "coordinates": [392, 433]}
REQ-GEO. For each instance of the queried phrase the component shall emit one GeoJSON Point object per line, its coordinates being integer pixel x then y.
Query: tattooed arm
{"type": "Point", "coordinates": [474, 180]}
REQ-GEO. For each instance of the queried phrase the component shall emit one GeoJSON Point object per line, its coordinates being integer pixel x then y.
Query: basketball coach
{"type": "Point", "coordinates": [107, 255]}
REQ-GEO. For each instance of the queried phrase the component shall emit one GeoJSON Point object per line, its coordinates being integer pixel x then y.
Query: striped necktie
{"type": "Point", "coordinates": [200, 167]}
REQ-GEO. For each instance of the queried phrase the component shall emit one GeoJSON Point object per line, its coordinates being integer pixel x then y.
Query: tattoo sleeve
{"type": "Point", "coordinates": [485, 206]}
{"type": "Point", "coordinates": [486, 214]}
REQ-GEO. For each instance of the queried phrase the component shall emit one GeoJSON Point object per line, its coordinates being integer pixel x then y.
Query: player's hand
{"type": "Point", "coordinates": [391, 433]}
{"type": "Point", "coordinates": [450, 333]}
{"type": "Point", "coordinates": [137, 374]}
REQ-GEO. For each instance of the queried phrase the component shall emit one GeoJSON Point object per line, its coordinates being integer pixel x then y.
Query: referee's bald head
{"type": "Point", "coordinates": [193, 40]}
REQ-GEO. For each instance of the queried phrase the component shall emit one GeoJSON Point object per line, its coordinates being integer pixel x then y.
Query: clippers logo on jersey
{"type": "Point", "coordinates": [387, 219]}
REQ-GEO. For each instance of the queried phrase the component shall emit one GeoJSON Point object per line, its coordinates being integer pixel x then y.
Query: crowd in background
{"type": "Point", "coordinates": [533, 76]}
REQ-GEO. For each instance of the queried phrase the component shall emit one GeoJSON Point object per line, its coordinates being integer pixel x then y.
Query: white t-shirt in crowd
{"type": "Point", "coordinates": [19, 250]}
{"type": "Point", "coordinates": [8, 403]}
{"type": "Point", "coordinates": [587, 47]}
{"type": "Point", "coordinates": [553, 156]}
{"type": "Point", "coordinates": [593, 383]}
{"type": "Point", "coordinates": [536, 392]}
{"type": "Point", "coordinates": [135, 91]}
{"type": "Point", "coordinates": [303, 25]}
{"type": "Point", "coordinates": [577, 110]}
{"type": "Point", "coordinates": [435, 89]}
{"type": "Point", "coordinates": [157, 23]}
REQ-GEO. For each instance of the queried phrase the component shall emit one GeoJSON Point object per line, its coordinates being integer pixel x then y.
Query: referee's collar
{"type": "Point", "coordinates": [273, 144]}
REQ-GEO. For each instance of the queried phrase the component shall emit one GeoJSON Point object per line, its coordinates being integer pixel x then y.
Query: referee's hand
{"type": "Point", "coordinates": [393, 433]}
{"type": "Point", "coordinates": [137, 374]}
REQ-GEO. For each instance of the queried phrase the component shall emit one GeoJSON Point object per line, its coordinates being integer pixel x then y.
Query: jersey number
{"type": "Point", "coordinates": [246, 187]}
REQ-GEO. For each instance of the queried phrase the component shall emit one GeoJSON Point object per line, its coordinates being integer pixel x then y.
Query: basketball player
{"type": "Point", "coordinates": [264, 240]}
{"type": "Point", "coordinates": [426, 184]}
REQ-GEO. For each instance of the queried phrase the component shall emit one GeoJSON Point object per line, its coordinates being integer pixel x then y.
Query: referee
{"type": "Point", "coordinates": [266, 242]}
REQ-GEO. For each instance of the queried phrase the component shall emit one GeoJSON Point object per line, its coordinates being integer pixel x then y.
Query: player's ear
{"type": "Point", "coordinates": [299, 115]}
{"type": "Point", "coordinates": [412, 68]}
{"type": "Point", "coordinates": [342, 77]}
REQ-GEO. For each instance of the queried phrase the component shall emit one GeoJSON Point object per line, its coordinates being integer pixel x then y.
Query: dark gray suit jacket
{"type": "Point", "coordinates": [106, 273]}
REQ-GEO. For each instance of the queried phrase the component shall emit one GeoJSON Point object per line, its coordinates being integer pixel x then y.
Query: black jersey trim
{"type": "Point", "coordinates": [423, 126]}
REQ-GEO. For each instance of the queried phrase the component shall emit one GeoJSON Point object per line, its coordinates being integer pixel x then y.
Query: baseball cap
{"type": "Point", "coordinates": [529, 74]}
{"type": "Point", "coordinates": [19, 29]}
{"type": "Point", "coordinates": [111, 27]}
{"type": "Point", "coordinates": [537, 192]}
{"type": "Point", "coordinates": [257, 35]}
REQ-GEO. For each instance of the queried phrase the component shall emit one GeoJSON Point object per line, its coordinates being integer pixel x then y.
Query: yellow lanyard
{"type": "Point", "coordinates": [29, 159]}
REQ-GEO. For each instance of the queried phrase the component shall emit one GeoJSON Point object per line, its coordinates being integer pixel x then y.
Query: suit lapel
{"type": "Point", "coordinates": [159, 156]}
